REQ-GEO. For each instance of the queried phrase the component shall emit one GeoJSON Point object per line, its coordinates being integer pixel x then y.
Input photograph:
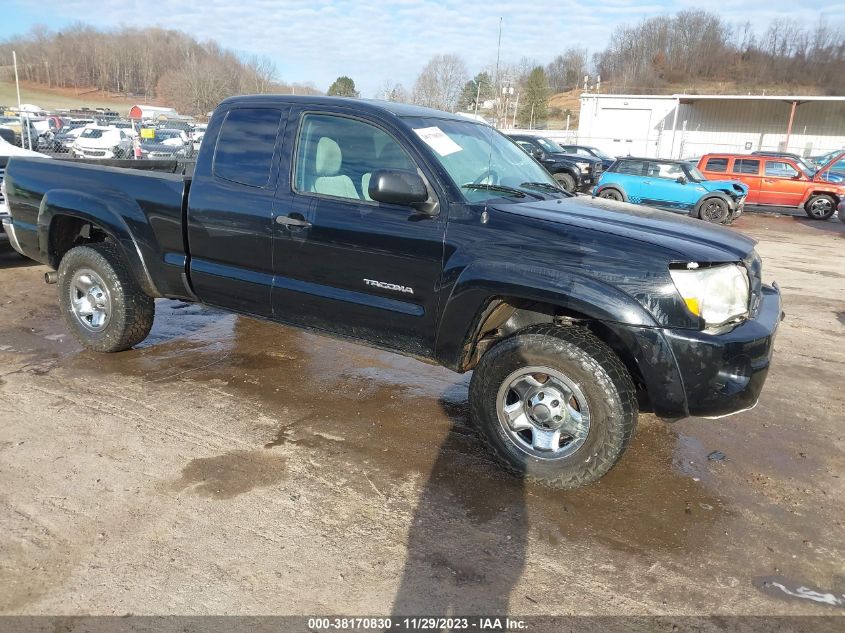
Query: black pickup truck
{"type": "Point", "coordinates": [431, 235]}
{"type": "Point", "coordinates": [573, 172]}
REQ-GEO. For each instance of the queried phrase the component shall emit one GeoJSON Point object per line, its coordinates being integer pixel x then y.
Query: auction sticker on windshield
{"type": "Point", "coordinates": [437, 140]}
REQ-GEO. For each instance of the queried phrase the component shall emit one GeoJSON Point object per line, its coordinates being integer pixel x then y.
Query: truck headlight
{"type": "Point", "coordinates": [717, 294]}
{"type": "Point", "coordinates": [584, 167]}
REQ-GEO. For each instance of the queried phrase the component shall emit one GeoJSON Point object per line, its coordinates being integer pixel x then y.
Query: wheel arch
{"type": "Point", "coordinates": [492, 300]}
{"type": "Point", "coordinates": [68, 218]}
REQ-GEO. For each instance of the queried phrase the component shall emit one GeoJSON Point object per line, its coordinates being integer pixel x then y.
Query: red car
{"type": "Point", "coordinates": [778, 181]}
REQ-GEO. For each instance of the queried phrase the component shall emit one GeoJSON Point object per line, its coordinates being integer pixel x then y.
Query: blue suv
{"type": "Point", "coordinates": [672, 185]}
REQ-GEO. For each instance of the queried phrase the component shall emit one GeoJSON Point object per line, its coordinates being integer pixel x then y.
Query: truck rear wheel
{"type": "Point", "coordinates": [555, 405]}
{"type": "Point", "coordinates": [820, 207]}
{"type": "Point", "coordinates": [103, 306]}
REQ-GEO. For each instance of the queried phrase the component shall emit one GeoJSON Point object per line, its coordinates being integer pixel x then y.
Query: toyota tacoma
{"type": "Point", "coordinates": [431, 235]}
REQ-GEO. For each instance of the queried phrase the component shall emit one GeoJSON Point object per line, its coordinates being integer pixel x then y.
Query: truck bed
{"type": "Point", "coordinates": [143, 209]}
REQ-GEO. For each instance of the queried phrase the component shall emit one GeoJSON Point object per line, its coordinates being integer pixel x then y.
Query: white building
{"type": "Point", "coordinates": [684, 126]}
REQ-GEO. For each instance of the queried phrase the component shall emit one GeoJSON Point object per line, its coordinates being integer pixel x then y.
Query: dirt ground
{"type": "Point", "coordinates": [232, 466]}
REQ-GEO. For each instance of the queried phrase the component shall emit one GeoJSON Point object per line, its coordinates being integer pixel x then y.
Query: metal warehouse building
{"type": "Point", "coordinates": [684, 126]}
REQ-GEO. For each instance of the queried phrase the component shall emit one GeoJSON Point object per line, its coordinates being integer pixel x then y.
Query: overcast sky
{"type": "Point", "coordinates": [317, 40]}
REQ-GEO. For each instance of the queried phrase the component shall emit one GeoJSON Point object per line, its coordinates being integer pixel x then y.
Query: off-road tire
{"type": "Point", "coordinates": [820, 198]}
{"type": "Point", "coordinates": [600, 375]}
{"type": "Point", "coordinates": [609, 193]}
{"type": "Point", "coordinates": [132, 311]}
{"type": "Point", "coordinates": [566, 181]}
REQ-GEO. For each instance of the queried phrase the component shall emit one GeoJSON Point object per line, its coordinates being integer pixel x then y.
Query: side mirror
{"type": "Point", "coordinates": [537, 153]}
{"type": "Point", "coordinates": [681, 180]}
{"type": "Point", "coordinates": [394, 186]}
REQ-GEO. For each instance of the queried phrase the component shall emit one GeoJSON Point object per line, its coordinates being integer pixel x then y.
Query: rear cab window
{"type": "Point", "coordinates": [246, 146]}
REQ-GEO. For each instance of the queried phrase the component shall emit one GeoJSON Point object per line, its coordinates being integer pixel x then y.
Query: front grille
{"type": "Point", "coordinates": [597, 168]}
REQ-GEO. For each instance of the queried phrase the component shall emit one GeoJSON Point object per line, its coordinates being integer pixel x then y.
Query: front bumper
{"type": "Point", "coordinates": [696, 373]}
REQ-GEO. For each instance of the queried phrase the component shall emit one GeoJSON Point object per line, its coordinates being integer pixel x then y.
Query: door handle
{"type": "Point", "coordinates": [290, 221]}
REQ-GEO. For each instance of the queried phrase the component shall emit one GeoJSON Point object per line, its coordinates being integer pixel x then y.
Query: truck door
{"type": "Point", "coordinates": [782, 184]}
{"type": "Point", "coordinates": [230, 205]}
{"type": "Point", "coordinates": [747, 170]}
{"type": "Point", "coordinates": [344, 262]}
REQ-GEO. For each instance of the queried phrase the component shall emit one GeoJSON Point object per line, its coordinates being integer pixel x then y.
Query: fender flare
{"type": "Point", "coordinates": [483, 281]}
{"type": "Point", "coordinates": [116, 215]}
{"type": "Point", "coordinates": [696, 209]}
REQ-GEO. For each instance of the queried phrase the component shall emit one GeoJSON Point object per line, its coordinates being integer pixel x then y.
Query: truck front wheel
{"type": "Point", "coordinates": [566, 181]}
{"type": "Point", "coordinates": [103, 306]}
{"type": "Point", "coordinates": [555, 405]}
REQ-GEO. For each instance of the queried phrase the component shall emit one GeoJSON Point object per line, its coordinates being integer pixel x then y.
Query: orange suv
{"type": "Point", "coordinates": [777, 181]}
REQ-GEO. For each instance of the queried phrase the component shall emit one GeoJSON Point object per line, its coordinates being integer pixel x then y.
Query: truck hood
{"type": "Point", "coordinates": [681, 238]}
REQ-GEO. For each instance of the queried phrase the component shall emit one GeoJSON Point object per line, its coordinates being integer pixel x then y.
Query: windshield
{"type": "Point", "coordinates": [695, 175]}
{"type": "Point", "coordinates": [165, 135]}
{"type": "Point", "coordinates": [549, 145]}
{"type": "Point", "coordinates": [482, 162]}
{"type": "Point", "coordinates": [600, 154]}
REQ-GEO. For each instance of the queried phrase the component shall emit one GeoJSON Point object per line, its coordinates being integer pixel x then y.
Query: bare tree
{"type": "Point", "coordinates": [440, 82]}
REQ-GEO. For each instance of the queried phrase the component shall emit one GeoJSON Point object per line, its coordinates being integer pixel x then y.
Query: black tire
{"type": "Point", "coordinates": [597, 372]}
{"type": "Point", "coordinates": [566, 182]}
{"type": "Point", "coordinates": [131, 311]}
{"type": "Point", "coordinates": [714, 210]}
{"type": "Point", "coordinates": [611, 194]}
{"type": "Point", "coordinates": [820, 207]}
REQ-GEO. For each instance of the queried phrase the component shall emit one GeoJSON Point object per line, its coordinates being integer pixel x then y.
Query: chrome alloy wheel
{"type": "Point", "coordinates": [543, 412]}
{"type": "Point", "coordinates": [90, 299]}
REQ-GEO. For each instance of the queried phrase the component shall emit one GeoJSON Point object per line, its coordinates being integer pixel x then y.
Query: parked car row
{"type": "Point", "coordinates": [716, 187]}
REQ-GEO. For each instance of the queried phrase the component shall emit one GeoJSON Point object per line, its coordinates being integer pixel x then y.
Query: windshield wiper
{"type": "Point", "coordinates": [516, 193]}
{"type": "Point", "coordinates": [502, 188]}
{"type": "Point", "coordinates": [543, 186]}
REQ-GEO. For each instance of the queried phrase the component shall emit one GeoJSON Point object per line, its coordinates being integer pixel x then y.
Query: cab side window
{"type": "Point", "coordinates": [337, 156]}
{"type": "Point", "coordinates": [666, 170]}
{"type": "Point", "coordinates": [778, 169]}
{"type": "Point", "coordinates": [716, 164]}
{"type": "Point", "coordinates": [746, 166]}
{"type": "Point", "coordinates": [633, 167]}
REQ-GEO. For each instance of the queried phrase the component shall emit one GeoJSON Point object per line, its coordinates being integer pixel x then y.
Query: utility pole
{"type": "Point", "coordinates": [498, 55]}
{"type": "Point", "coordinates": [18, 88]}
{"type": "Point", "coordinates": [477, 97]}
{"type": "Point", "coordinates": [515, 108]}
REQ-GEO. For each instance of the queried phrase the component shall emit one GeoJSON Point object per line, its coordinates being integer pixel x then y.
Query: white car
{"type": "Point", "coordinates": [7, 150]}
{"type": "Point", "coordinates": [98, 141]}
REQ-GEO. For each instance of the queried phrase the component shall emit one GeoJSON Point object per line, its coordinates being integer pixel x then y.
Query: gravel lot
{"type": "Point", "coordinates": [233, 466]}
